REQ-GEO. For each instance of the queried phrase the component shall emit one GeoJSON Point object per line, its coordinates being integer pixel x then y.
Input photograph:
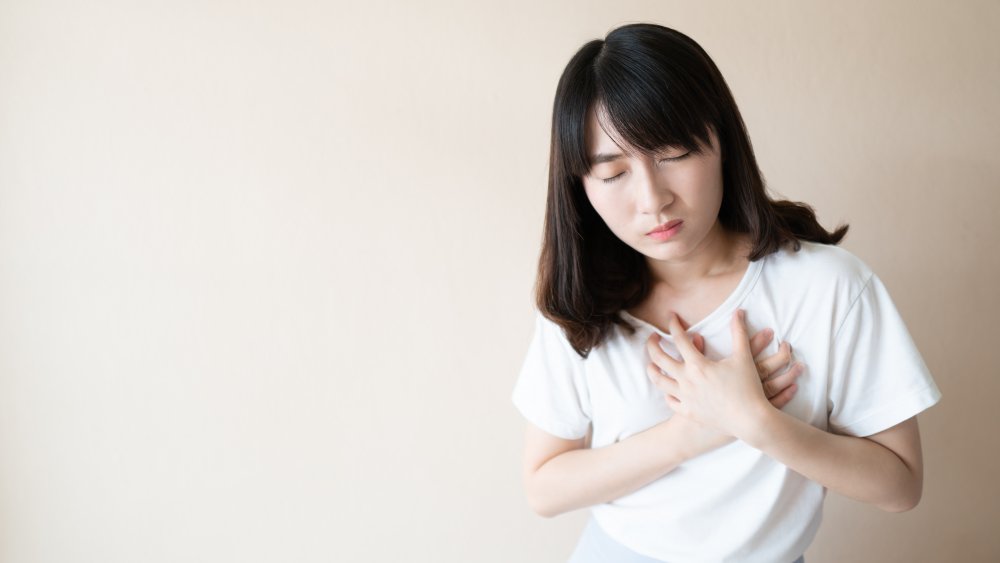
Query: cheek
{"type": "Point", "coordinates": [706, 192]}
{"type": "Point", "coordinates": [614, 211]}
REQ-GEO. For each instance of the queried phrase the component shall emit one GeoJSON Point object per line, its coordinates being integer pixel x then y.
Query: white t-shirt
{"type": "Point", "coordinates": [863, 374]}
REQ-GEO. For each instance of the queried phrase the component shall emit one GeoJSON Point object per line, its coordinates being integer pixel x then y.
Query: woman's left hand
{"type": "Point", "coordinates": [724, 394]}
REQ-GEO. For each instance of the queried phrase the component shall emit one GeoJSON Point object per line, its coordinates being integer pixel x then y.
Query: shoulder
{"type": "Point", "coordinates": [551, 336]}
{"type": "Point", "coordinates": [816, 277]}
{"type": "Point", "coordinates": [557, 336]}
{"type": "Point", "coordinates": [820, 264]}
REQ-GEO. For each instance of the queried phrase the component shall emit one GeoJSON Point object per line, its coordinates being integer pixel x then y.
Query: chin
{"type": "Point", "coordinates": [664, 251]}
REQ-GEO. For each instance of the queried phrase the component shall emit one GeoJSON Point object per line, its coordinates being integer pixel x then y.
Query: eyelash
{"type": "Point", "coordinates": [615, 178]}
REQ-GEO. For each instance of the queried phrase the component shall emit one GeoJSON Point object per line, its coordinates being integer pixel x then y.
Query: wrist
{"type": "Point", "coordinates": [694, 438]}
{"type": "Point", "coordinates": [680, 429]}
{"type": "Point", "coordinates": [753, 428]}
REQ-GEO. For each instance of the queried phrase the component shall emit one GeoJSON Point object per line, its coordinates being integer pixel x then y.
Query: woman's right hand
{"type": "Point", "coordinates": [779, 387]}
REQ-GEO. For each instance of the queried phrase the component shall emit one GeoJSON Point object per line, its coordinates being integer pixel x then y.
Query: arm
{"type": "Point", "coordinates": [560, 476]}
{"type": "Point", "coordinates": [884, 469]}
{"type": "Point", "coordinates": [583, 477]}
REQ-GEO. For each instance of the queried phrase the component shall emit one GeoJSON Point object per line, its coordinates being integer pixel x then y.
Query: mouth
{"type": "Point", "coordinates": [665, 227]}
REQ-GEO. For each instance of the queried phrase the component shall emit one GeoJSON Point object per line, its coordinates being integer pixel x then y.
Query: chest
{"type": "Point", "coordinates": [624, 400]}
{"type": "Point", "coordinates": [692, 305]}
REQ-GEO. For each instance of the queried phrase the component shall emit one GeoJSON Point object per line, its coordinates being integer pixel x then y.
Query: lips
{"type": "Point", "coordinates": [665, 226]}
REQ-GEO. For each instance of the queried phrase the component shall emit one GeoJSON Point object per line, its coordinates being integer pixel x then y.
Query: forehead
{"type": "Point", "coordinates": [601, 137]}
{"type": "Point", "coordinates": [597, 139]}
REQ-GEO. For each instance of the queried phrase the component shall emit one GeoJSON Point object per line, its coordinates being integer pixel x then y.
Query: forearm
{"type": "Point", "coordinates": [855, 467]}
{"type": "Point", "coordinates": [585, 477]}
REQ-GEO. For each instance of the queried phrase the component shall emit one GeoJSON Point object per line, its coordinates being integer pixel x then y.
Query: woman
{"type": "Point", "coordinates": [646, 397]}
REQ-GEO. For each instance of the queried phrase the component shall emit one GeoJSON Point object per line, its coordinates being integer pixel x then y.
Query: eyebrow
{"type": "Point", "coordinates": [602, 157]}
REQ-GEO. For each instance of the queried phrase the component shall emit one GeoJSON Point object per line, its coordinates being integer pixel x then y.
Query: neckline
{"type": "Point", "coordinates": [720, 316]}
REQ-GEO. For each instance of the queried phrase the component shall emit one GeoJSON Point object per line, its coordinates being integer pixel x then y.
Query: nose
{"type": "Point", "coordinates": [652, 192]}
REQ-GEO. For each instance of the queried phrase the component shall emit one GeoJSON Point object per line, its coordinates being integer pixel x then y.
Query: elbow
{"type": "Point", "coordinates": [900, 506]}
{"type": "Point", "coordinates": [544, 498]}
{"type": "Point", "coordinates": [541, 509]}
{"type": "Point", "coordinates": [904, 502]}
{"type": "Point", "coordinates": [535, 502]}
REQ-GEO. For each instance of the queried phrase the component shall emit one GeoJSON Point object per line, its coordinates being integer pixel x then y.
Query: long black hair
{"type": "Point", "coordinates": [657, 87]}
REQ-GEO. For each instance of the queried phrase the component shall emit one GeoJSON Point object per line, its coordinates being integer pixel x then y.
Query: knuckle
{"type": "Point", "coordinates": [783, 379]}
{"type": "Point", "coordinates": [763, 372]}
{"type": "Point", "coordinates": [656, 352]}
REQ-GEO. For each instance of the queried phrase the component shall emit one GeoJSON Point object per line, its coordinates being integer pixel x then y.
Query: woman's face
{"type": "Point", "coordinates": [635, 194]}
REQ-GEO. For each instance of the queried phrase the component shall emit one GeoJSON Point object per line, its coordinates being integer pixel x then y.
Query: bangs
{"type": "Point", "coordinates": [644, 99]}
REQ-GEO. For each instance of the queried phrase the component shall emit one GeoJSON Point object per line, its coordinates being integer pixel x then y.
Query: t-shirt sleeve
{"type": "Point", "coordinates": [551, 391]}
{"type": "Point", "coordinates": [878, 377]}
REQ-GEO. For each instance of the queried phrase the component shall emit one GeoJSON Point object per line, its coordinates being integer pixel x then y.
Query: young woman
{"type": "Point", "coordinates": [655, 391]}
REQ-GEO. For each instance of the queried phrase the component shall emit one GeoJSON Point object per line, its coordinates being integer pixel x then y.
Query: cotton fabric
{"type": "Point", "coordinates": [863, 374]}
{"type": "Point", "coordinates": [595, 546]}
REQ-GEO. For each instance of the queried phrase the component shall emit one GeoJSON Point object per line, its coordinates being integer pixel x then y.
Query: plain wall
{"type": "Point", "coordinates": [266, 267]}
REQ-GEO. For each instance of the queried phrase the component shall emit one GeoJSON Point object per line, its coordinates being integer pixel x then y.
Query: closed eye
{"type": "Point", "coordinates": [685, 155]}
{"type": "Point", "coordinates": [670, 159]}
{"type": "Point", "coordinates": [612, 179]}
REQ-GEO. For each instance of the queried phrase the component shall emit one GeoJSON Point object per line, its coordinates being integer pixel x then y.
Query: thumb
{"type": "Point", "coordinates": [741, 341]}
{"type": "Point", "coordinates": [696, 339]}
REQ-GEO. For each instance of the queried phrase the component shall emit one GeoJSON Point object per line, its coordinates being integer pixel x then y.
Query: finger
{"type": "Point", "coordinates": [659, 356]}
{"type": "Point", "coordinates": [760, 341]}
{"type": "Point", "coordinates": [775, 362]}
{"type": "Point", "coordinates": [783, 398]}
{"type": "Point", "coordinates": [778, 383]}
{"type": "Point", "coordinates": [684, 345]}
{"type": "Point", "coordinates": [673, 403]}
{"type": "Point", "coordinates": [741, 342]}
{"type": "Point", "coordinates": [662, 381]}
{"type": "Point", "coordinates": [697, 339]}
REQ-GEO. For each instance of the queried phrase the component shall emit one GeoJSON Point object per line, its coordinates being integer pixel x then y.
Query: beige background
{"type": "Point", "coordinates": [266, 267]}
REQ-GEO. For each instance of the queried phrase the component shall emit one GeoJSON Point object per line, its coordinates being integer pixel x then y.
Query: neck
{"type": "Point", "coordinates": [717, 254]}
